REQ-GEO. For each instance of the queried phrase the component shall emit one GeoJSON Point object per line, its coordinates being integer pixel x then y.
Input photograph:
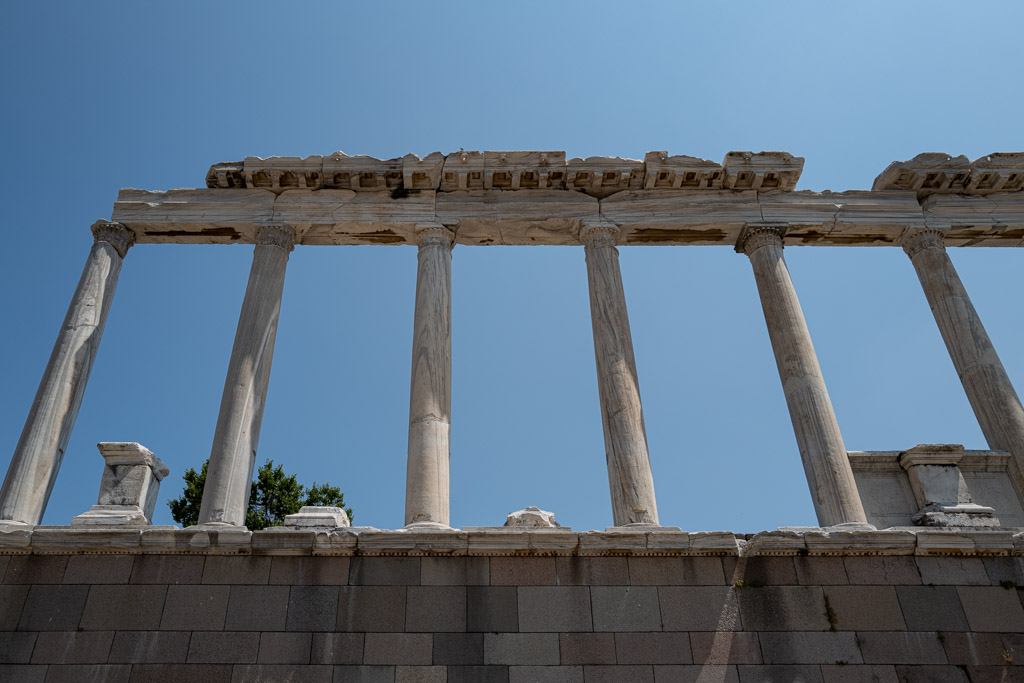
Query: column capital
{"type": "Point", "coordinates": [599, 233]}
{"type": "Point", "coordinates": [114, 234]}
{"type": "Point", "coordinates": [757, 235]}
{"type": "Point", "coordinates": [434, 235]}
{"type": "Point", "coordinates": [914, 239]}
{"type": "Point", "coordinates": [282, 236]}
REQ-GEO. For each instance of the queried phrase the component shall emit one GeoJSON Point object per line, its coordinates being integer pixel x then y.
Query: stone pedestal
{"type": "Point", "coordinates": [625, 438]}
{"type": "Point", "coordinates": [822, 451]}
{"type": "Point", "coordinates": [128, 489]}
{"type": "Point", "coordinates": [940, 489]}
{"type": "Point", "coordinates": [40, 450]}
{"type": "Point", "coordinates": [531, 517]}
{"type": "Point", "coordinates": [318, 517]}
{"type": "Point", "coordinates": [233, 456]}
{"type": "Point", "coordinates": [430, 394]}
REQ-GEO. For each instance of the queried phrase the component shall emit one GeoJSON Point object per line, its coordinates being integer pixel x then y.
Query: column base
{"type": "Point", "coordinates": [641, 527]}
{"type": "Point", "coordinates": [427, 526]}
{"type": "Point", "coordinates": [317, 517]}
{"type": "Point", "coordinates": [111, 515]}
{"type": "Point", "coordinates": [7, 525]}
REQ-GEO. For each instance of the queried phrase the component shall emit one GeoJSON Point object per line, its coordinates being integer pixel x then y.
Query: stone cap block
{"type": "Point", "coordinates": [321, 516]}
{"type": "Point", "coordinates": [132, 453]}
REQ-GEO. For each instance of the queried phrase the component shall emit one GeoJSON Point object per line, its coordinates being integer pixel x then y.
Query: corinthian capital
{"type": "Point", "coordinates": [757, 235]}
{"type": "Point", "coordinates": [599, 234]}
{"type": "Point", "coordinates": [915, 240]}
{"type": "Point", "coordinates": [114, 234]}
{"type": "Point", "coordinates": [282, 236]}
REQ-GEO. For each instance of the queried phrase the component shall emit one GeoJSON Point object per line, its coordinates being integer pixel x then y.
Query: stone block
{"type": "Point", "coordinates": [398, 648]}
{"type": "Point", "coordinates": [94, 673]}
{"type": "Point", "coordinates": [521, 648]}
{"type": "Point", "coordinates": [455, 571]}
{"type": "Point", "coordinates": [275, 673]}
{"type": "Point", "coordinates": [124, 608]}
{"type": "Point", "coordinates": [1013, 644]}
{"type": "Point", "coordinates": [435, 609]}
{"type": "Point", "coordinates": [858, 673]}
{"type": "Point", "coordinates": [786, 673]}
{"type": "Point", "coordinates": [371, 608]}
{"type": "Point", "coordinates": [12, 600]}
{"type": "Point", "coordinates": [16, 647]}
{"type": "Point", "coordinates": [364, 674]}
{"type": "Point", "coordinates": [913, 647]}
{"type": "Point", "coordinates": [652, 648]}
{"type": "Point", "coordinates": [215, 647]}
{"type": "Point", "coordinates": [865, 608]}
{"type": "Point", "coordinates": [931, 674]}
{"type": "Point", "coordinates": [591, 571]}
{"type": "Point", "coordinates": [168, 569]}
{"type": "Point", "coordinates": [618, 674]}
{"type": "Point", "coordinates": [384, 571]}
{"type": "Point", "coordinates": [237, 569]}
{"type": "Point", "coordinates": [309, 571]}
{"type": "Point", "coordinates": [522, 571]}
{"type": "Point", "coordinates": [337, 648]}
{"type": "Point", "coordinates": [991, 608]}
{"type": "Point", "coordinates": [257, 608]}
{"type": "Point", "coordinates": [53, 608]}
{"type": "Point", "coordinates": [882, 570]}
{"type": "Point", "coordinates": [98, 569]}
{"type": "Point", "coordinates": [952, 571]}
{"type": "Point", "coordinates": [814, 647]}
{"type": "Point", "coordinates": [35, 569]}
{"type": "Point", "coordinates": [149, 647]}
{"type": "Point", "coordinates": [312, 608]}
{"type": "Point", "coordinates": [72, 647]}
{"type": "Point", "coordinates": [553, 609]}
{"type": "Point", "coordinates": [927, 608]}
{"type": "Point", "coordinates": [1003, 569]}
{"type": "Point", "coordinates": [699, 608]}
{"type": "Point", "coordinates": [976, 649]}
{"type": "Point", "coordinates": [725, 647]}
{"type": "Point", "coordinates": [494, 609]}
{"type": "Point", "coordinates": [587, 648]}
{"type": "Point", "coordinates": [765, 571]}
{"type": "Point", "coordinates": [993, 674]}
{"type": "Point", "coordinates": [820, 571]}
{"type": "Point", "coordinates": [676, 571]}
{"type": "Point", "coordinates": [696, 674]}
{"type": "Point", "coordinates": [478, 674]}
{"type": "Point", "coordinates": [783, 608]}
{"type": "Point", "coordinates": [459, 648]}
{"type": "Point", "coordinates": [195, 607]}
{"type": "Point", "coordinates": [180, 673]}
{"type": "Point", "coordinates": [284, 648]}
{"type": "Point", "coordinates": [545, 674]}
{"type": "Point", "coordinates": [23, 673]}
{"type": "Point", "coordinates": [421, 674]}
{"type": "Point", "coordinates": [625, 608]}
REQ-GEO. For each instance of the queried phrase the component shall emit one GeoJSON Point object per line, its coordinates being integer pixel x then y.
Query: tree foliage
{"type": "Point", "coordinates": [273, 495]}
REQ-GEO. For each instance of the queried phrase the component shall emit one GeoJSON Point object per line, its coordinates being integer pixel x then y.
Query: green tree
{"type": "Point", "coordinates": [273, 495]}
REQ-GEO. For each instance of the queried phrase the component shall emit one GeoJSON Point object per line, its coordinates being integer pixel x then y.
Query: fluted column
{"type": "Point", "coordinates": [829, 476]}
{"type": "Point", "coordinates": [226, 495]}
{"type": "Point", "coordinates": [430, 393]}
{"type": "Point", "coordinates": [622, 416]}
{"type": "Point", "coordinates": [37, 458]}
{"type": "Point", "coordinates": [988, 387]}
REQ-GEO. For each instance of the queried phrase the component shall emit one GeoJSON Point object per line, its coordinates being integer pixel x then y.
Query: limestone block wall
{"type": "Point", "coordinates": [622, 616]}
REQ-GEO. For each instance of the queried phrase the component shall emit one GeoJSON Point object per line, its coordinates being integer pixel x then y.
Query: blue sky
{"type": "Point", "coordinates": [103, 96]}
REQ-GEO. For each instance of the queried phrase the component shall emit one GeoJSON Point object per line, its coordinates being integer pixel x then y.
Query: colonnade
{"type": "Point", "coordinates": [38, 455]}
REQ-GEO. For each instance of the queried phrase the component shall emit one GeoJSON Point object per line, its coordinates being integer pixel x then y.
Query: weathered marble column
{"type": "Point", "coordinates": [38, 456]}
{"type": "Point", "coordinates": [226, 496]}
{"type": "Point", "coordinates": [625, 438]}
{"type": "Point", "coordinates": [430, 393]}
{"type": "Point", "coordinates": [829, 476]}
{"type": "Point", "coordinates": [988, 387]}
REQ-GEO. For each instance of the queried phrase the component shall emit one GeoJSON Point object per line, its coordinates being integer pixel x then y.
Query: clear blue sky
{"type": "Point", "coordinates": [100, 96]}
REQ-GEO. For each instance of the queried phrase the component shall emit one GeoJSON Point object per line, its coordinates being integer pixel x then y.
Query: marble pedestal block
{"type": "Point", "coordinates": [940, 489]}
{"type": "Point", "coordinates": [129, 487]}
{"type": "Point", "coordinates": [318, 516]}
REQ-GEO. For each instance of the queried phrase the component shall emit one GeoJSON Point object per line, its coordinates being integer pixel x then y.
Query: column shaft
{"type": "Point", "coordinates": [625, 438]}
{"type": "Point", "coordinates": [37, 458]}
{"type": "Point", "coordinates": [988, 387]}
{"type": "Point", "coordinates": [430, 396]}
{"type": "Point", "coordinates": [829, 476]}
{"type": "Point", "coordinates": [233, 456]}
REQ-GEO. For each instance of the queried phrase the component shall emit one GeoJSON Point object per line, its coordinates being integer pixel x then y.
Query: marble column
{"type": "Point", "coordinates": [988, 387]}
{"type": "Point", "coordinates": [37, 458]}
{"type": "Point", "coordinates": [233, 456]}
{"type": "Point", "coordinates": [622, 416]}
{"type": "Point", "coordinates": [829, 476]}
{"type": "Point", "coordinates": [430, 394]}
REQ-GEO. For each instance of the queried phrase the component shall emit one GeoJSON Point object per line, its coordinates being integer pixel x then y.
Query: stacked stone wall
{"type": "Point", "coordinates": [194, 618]}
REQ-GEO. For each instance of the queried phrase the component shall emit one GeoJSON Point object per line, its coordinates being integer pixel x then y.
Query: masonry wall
{"type": "Point", "coordinates": [150, 617]}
